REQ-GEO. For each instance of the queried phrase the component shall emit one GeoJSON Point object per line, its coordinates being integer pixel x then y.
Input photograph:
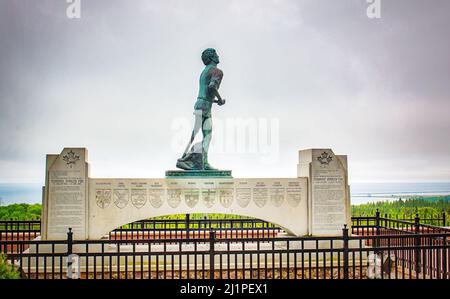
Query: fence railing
{"type": "Point", "coordinates": [158, 229]}
{"type": "Point", "coordinates": [378, 225]}
{"type": "Point", "coordinates": [19, 229]}
{"type": "Point", "coordinates": [246, 227]}
{"type": "Point", "coordinates": [394, 256]}
{"type": "Point", "coordinates": [195, 228]}
{"type": "Point", "coordinates": [375, 247]}
{"type": "Point", "coordinates": [440, 219]}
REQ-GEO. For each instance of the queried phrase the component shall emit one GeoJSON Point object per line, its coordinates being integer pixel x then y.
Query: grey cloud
{"type": "Point", "coordinates": [115, 79]}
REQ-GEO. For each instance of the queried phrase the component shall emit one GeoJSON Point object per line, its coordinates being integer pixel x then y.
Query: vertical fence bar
{"type": "Point", "coordinates": [212, 237]}
{"type": "Point", "coordinates": [69, 241]}
{"type": "Point", "coordinates": [346, 252]}
{"type": "Point", "coordinates": [377, 228]}
{"type": "Point", "coordinates": [187, 221]}
{"type": "Point", "coordinates": [443, 218]}
{"type": "Point", "coordinates": [69, 251]}
{"type": "Point", "coordinates": [417, 244]}
{"type": "Point", "coordinates": [444, 257]}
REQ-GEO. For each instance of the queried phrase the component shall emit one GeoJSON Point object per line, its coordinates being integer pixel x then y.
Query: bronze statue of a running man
{"type": "Point", "coordinates": [195, 157]}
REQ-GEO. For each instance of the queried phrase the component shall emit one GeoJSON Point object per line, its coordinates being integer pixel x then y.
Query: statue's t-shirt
{"type": "Point", "coordinates": [211, 77]}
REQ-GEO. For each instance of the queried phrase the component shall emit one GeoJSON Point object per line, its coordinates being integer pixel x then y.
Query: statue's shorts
{"type": "Point", "coordinates": [202, 115]}
{"type": "Point", "coordinates": [203, 106]}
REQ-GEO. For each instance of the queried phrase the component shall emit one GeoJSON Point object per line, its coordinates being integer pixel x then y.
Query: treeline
{"type": "Point", "coordinates": [426, 207]}
{"type": "Point", "coordinates": [21, 211]}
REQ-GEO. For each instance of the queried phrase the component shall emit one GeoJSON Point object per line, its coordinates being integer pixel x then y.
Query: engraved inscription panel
{"type": "Point", "coordinates": [328, 187]}
{"type": "Point", "coordinates": [66, 195]}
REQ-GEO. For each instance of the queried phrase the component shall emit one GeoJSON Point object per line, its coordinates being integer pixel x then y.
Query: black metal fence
{"type": "Point", "coordinates": [195, 228]}
{"type": "Point", "coordinates": [440, 219]}
{"type": "Point", "coordinates": [233, 227]}
{"type": "Point", "coordinates": [158, 229]}
{"type": "Point", "coordinates": [19, 229]}
{"type": "Point", "coordinates": [375, 247]}
{"type": "Point", "coordinates": [377, 225]}
{"type": "Point", "coordinates": [423, 256]}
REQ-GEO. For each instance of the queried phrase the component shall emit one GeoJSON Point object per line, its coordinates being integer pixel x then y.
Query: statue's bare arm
{"type": "Point", "coordinates": [219, 100]}
{"type": "Point", "coordinates": [214, 86]}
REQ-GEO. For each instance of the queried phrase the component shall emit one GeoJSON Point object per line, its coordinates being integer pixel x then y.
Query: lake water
{"type": "Point", "coordinates": [360, 192]}
{"type": "Point", "coordinates": [370, 192]}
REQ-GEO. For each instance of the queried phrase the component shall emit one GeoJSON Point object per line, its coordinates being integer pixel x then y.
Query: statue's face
{"type": "Point", "coordinates": [215, 58]}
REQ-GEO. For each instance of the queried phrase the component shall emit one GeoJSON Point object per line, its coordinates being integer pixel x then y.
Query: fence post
{"type": "Point", "coordinates": [377, 227]}
{"type": "Point", "coordinates": [69, 252]}
{"type": "Point", "coordinates": [345, 239]}
{"type": "Point", "coordinates": [69, 241]}
{"type": "Point", "coordinates": [417, 243]}
{"type": "Point", "coordinates": [212, 237]}
{"type": "Point", "coordinates": [187, 225]}
{"type": "Point", "coordinates": [444, 258]}
{"type": "Point", "coordinates": [443, 218]}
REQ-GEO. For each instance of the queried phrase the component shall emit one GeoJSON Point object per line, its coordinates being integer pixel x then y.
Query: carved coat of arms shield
{"type": "Point", "coordinates": [103, 197]}
{"type": "Point", "coordinates": [156, 197]}
{"type": "Point", "coordinates": [174, 197]}
{"type": "Point", "coordinates": [277, 196]}
{"type": "Point", "coordinates": [209, 197]}
{"type": "Point", "coordinates": [243, 196]}
{"type": "Point", "coordinates": [191, 197]}
{"type": "Point", "coordinates": [138, 197]}
{"type": "Point", "coordinates": [226, 197]}
{"type": "Point", "coordinates": [121, 198]}
{"type": "Point", "coordinates": [260, 196]}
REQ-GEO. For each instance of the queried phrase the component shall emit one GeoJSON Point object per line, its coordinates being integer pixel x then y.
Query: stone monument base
{"type": "Point", "coordinates": [316, 202]}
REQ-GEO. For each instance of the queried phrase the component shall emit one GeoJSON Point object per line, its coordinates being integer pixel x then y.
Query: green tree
{"type": "Point", "coordinates": [7, 271]}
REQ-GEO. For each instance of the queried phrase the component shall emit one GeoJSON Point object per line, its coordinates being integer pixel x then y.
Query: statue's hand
{"type": "Point", "coordinates": [221, 102]}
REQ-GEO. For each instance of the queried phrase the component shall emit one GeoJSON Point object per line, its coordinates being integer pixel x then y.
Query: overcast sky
{"type": "Point", "coordinates": [123, 78]}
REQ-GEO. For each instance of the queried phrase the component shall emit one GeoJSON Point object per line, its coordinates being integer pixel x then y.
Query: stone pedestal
{"type": "Point", "coordinates": [329, 195]}
{"type": "Point", "coordinates": [198, 174]}
{"type": "Point", "coordinates": [65, 201]}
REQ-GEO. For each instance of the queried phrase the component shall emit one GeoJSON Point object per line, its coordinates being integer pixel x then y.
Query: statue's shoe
{"type": "Point", "coordinates": [185, 165]}
{"type": "Point", "coordinates": [208, 167]}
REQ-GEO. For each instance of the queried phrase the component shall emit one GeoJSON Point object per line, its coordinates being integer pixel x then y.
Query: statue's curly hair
{"type": "Point", "coordinates": [207, 55]}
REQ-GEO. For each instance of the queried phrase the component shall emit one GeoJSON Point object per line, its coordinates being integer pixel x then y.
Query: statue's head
{"type": "Point", "coordinates": [210, 55]}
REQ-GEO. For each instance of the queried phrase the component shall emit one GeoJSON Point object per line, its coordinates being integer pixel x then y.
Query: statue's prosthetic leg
{"type": "Point", "coordinates": [196, 156]}
{"type": "Point", "coordinates": [207, 135]}
{"type": "Point", "coordinates": [198, 123]}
